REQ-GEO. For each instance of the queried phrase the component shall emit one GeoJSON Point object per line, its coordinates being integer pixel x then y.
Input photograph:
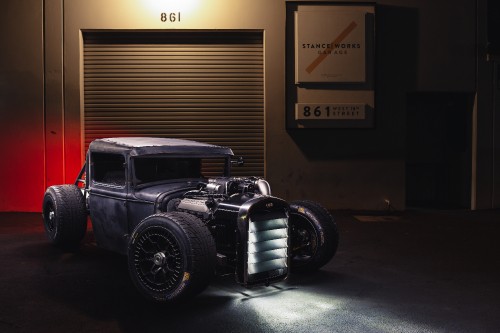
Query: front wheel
{"type": "Point", "coordinates": [314, 236]}
{"type": "Point", "coordinates": [171, 256]}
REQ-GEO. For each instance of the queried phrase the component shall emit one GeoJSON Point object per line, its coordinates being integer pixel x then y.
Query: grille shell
{"type": "Point", "coordinates": [263, 241]}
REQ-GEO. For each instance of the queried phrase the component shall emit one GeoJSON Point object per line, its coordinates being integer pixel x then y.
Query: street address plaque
{"type": "Point", "coordinates": [330, 111]}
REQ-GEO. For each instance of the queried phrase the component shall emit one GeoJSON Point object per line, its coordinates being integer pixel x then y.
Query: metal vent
{"type": "Point", "coordinates": [204, 86]}
{"type": "Point", "coordinates": [267, 248]}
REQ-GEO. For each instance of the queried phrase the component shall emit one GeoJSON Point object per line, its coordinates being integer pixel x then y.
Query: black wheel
{"type": "Point", "coordinates": [64, 215]}
{"type": "Point", "coordinates": [314, 236]}
{"type": "Point", "coordinates": [171, 256]}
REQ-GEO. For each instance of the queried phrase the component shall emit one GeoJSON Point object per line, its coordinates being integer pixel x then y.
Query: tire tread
{"type": "Point", "coordinates": [70, 215]}
{"type": "Point", "coordinates": [330, 232]}
{"type": "Point", "coordinates": [201, 248]}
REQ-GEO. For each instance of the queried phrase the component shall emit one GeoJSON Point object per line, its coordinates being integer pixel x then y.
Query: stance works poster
{"type": "Point", "coordinates": [330, 46]}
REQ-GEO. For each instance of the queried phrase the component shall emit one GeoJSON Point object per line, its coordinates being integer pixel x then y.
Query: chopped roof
{"type": "Point", "coordinates": [150, 146]}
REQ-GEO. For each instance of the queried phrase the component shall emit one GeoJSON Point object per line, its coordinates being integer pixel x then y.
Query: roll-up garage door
{"type": "Point", "coordinates": [205, 86]}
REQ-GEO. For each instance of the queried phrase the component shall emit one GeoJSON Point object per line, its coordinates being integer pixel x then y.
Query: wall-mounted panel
{"type": "Point", "coordinates": [332, 85]}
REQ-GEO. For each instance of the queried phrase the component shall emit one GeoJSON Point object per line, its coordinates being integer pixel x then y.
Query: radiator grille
{"type": "Point", "coordinates": [267, 248]}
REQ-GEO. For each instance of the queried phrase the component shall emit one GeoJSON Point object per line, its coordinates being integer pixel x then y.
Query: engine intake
{"type": "Point", "coordinates": [234, 185]}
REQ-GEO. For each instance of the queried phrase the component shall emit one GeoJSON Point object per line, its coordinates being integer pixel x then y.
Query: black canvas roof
{"type": "Point", "coordinates": [136, 146]}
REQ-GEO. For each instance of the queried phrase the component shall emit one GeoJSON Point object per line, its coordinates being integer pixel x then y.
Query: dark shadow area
{"type": "Point", "coordinates": [493, 27]}
{"type": "Point", "coordinates": [439, 149]}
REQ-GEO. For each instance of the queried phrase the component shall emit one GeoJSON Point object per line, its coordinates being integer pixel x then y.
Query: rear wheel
{"type": "Point", "coordinates": [64, 215]}
{"type": "Point", "coordinates": [314, 236]}
{"type": "Point", "coordinates": [171, 256]}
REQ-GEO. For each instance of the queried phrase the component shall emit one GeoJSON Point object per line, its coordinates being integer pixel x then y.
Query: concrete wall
{"type": "Point", "coordinates": [21, 106]}
{"type": "Point", "coordinates": [421, 46]}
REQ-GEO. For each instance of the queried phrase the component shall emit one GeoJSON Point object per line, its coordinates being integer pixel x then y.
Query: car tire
{"type": "Point", "coordinates": [64, 215]}
{"type": "Point", "coordinates": [314, 236]}
{"type": "Point", "coordinates": [171, 256]}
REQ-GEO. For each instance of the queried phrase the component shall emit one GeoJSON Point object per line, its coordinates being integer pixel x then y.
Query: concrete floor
{"type": "Point", "coordinates": [422, 271]}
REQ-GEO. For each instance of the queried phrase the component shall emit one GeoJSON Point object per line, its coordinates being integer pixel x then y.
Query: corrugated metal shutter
{"type": "Point", "coordinates": [205, 86]}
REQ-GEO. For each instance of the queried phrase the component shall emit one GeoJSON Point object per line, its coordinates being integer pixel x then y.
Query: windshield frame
{"type": "Point", "coordinates": [136, 184]}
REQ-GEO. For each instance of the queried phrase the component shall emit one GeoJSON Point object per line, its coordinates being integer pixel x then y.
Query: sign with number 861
{"type": "Point", "coordinates": [332, 111]}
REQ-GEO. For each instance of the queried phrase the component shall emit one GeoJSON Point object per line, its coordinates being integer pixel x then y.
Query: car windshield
{"type": "Point", "coordinates": [164, 168]}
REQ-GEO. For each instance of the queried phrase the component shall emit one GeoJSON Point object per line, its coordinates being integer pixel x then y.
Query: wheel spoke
{"type": "Point", "coordinates": [49, 217]}
{"type": "Point", "coordinates": [303, 239]}
{"type": "Point", "coordinates": [158, 274]}
{"type": "Point", "coordinates": [156, 269]}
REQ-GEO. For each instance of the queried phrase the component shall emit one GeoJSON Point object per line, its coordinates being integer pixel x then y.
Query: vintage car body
{"type": "Point", "coordinates": [173, 208]}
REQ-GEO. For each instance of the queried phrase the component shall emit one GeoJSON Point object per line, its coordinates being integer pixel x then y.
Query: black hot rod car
{"type": "Point", "coordinates": [172, 207]}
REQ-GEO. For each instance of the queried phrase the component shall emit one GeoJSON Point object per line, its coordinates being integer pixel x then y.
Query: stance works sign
{"type": "Point", "coordinates": [330, 46]}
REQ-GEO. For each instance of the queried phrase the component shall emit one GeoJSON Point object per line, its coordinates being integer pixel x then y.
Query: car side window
{"type": "Point", "coordinates": [108, 169]}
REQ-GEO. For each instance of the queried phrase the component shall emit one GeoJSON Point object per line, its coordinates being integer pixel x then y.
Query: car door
{"type": "Point", "coordinates": [108, 200]}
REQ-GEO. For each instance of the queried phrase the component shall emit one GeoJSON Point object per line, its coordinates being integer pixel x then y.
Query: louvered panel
{"type": "Point", "coordinates": [205, 86]}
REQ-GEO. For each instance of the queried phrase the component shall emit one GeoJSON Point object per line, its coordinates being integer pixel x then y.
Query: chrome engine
{"type": "Point", "coordinates": [250, 227]}
{"type": "Point", "coordinates": [204, 200]}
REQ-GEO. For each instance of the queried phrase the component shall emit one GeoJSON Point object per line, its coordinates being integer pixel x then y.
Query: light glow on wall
{"type": "Point", "coordinates": [168, 6]}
